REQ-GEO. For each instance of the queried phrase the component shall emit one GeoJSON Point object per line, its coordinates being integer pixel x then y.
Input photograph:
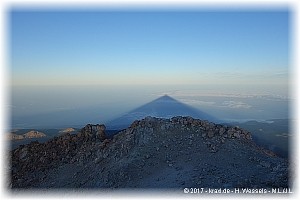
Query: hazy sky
{"type": "Point", "coordinates": [149, 47]}
{"type": "Point", "coordinates": [76, 67]}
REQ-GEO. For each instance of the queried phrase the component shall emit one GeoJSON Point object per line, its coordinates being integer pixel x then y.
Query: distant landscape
{"type": "Point", "coordinates": [273, 134]}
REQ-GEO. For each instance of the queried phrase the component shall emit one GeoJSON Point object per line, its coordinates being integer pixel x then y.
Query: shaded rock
{"type": "Point", "coordinates": [100, 132]}
{"type": "Point", "coordinates": [236, 134]}
{"type": "Point", "coordinates": [178, 151]}
{"type": "Point", "coordinates": [210, 134]}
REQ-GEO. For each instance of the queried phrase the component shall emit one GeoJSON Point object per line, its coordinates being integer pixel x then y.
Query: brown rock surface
{"type": "Point", "coordinates": [34, 134]}
{"type": "Point", "coordinates": [30, 134]}
{"type": "Point", "coordinates": [67, 130]}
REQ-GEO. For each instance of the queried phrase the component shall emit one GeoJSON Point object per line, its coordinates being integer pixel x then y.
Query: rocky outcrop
{"type": "Point", "coordinates": [94, 131]}
{"type": "Point", "coordinates": [13, 136]}
{"type": "Point", "coordinates": [30, 134]}
{"type": "Point", "coordinates": [36, 156]}
{"type": "Point", "coordinates": [34, 134]}
{"type": "Point", "coordinates": [67, 130]}
{"type": "Point", "coordinates": [153, 152]}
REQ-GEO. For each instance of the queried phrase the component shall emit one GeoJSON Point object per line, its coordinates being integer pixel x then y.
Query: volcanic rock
{"type": "Point", "coordinates": [30, 134]}
{"type": "Point", "coordinates": [34, 134]}
{"type": "Point", "coordinates": [67, 130]}
{"type": "Point", "coordinates": [151, 153]}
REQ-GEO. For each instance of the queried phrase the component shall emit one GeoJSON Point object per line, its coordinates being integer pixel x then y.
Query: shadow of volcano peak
{"type": "Point", "coordinates": [162, 107]}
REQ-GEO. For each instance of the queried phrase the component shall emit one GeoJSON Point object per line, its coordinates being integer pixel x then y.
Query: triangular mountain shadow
{"type": "Point", "coordinates": [163, 107]}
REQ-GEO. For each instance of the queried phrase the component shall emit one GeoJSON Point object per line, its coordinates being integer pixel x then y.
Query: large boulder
{"type": "Point", "coordinates": [100, 132]}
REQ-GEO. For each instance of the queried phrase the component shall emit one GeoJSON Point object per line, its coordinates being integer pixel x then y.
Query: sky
{"type": "Point", "coordinates": [117, 47]}
{"type": "Point", "coordinates": [89, 66]}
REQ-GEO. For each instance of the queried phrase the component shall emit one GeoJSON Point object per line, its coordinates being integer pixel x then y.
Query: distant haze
{"type": "Point", "coordinates": [75, 67]}
{"type": "Point", "coordinates": [77, 105]}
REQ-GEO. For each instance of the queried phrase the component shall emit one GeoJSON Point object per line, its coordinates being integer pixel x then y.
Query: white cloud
{"type": "Point", "coordinates": [197, 102]}
{"type": "Point", "coordinates": [236, 104]}
{"type": "Point", "coordinates": [182, 94]}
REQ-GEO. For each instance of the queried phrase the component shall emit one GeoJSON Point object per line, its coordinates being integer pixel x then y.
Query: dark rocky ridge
{"type": "Point", "coordinates": [152, 153]}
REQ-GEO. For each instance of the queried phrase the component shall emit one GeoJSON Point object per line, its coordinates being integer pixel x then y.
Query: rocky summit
{"type": "Point", "coordinates": [152, 153]}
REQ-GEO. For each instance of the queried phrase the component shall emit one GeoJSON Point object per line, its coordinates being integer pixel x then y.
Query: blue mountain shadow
{"type": "Point", "coordinates": [162, 107]}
